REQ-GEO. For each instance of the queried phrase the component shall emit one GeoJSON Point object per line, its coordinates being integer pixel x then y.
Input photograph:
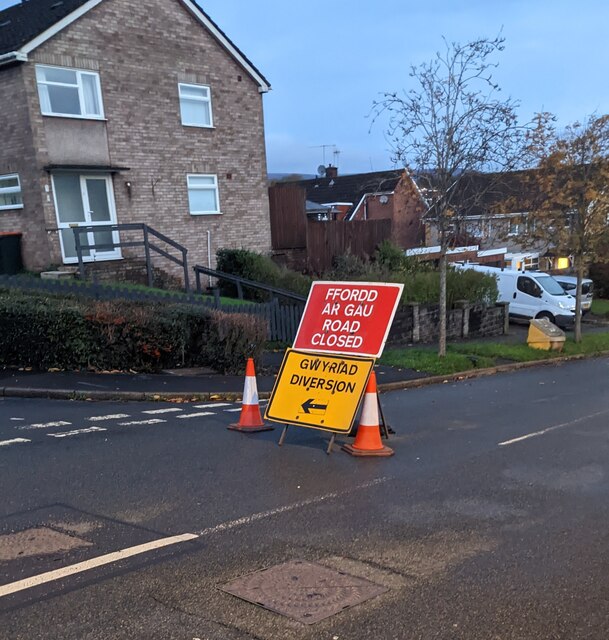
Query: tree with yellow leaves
{"type": "Point", "coordinates": [570, 211]}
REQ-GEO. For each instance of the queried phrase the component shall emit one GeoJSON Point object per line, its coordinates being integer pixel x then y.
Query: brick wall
{"type": "Point", "coordinates": [142, 50]}
{"type": "Point", "coordinates": [416, 323]}
{"type": "Point", "coordinates": [17, 155]}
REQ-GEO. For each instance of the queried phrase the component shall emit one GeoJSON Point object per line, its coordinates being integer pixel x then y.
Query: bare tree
{"type": "Point", "coordinates": [570, 214]}
{"type": "Point", "coordinates": [451, 126]}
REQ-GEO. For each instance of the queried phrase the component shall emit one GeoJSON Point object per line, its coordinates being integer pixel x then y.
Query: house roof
{"type": "Point", "coordinates": [486, 193]}
{"type": "Point", "coordinates": [25, 26]}
{"type": "Point", "coordinates": [350, 189]}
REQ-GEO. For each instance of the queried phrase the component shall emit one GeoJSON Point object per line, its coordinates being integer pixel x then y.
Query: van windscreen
{"type": "Point", "coordinates": [550, 285]}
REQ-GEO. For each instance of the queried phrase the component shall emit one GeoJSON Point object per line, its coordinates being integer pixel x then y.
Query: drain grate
{"type": "Point", "coordinates": [37, 541]}
{"type": "Point", "coordinates": [304, 591]}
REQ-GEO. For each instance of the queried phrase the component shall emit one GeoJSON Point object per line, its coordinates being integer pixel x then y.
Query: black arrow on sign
{"type": "Point", "coordinates": [310, 404]}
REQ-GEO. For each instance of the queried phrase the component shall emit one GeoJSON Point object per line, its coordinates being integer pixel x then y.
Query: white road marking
{"type": "Point", "coordinates": [8, 443]}
{"type": "Point", "coordinates": [553, 428]}
{"type": "Point", "coordinates": [263, 515]}
{"type": "Point", "coordinates": [116, 416]}
{"type": "Point", "coordinates": [196, 415]}
{"type": "Point", "coordinates": [232, 410]}
{"type": "Point", "coordinates": [87, 565]}
{"type": "Point", "coordinates": [213, 405]}
{"type": "Point", "coordinates": [138, 422]}
{"type": "Point", "coordinates": [76, 432]}
{"type": "Point", "coordinates": [47, 425]}
{"type": "Point", "coordinates": [17, 419]}
{"type": "Point", "coordinates": [116, 556]}
{"type": "Point", "coordinates": [154, 411]}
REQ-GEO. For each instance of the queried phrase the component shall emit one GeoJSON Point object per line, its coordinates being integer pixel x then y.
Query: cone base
{"type": "Point", "coordinates": [385, 452]}
{"type": "Point", "coordinates": [238, 427]}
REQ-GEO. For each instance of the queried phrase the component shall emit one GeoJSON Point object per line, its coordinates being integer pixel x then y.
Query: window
{"type": "Point", "coordinates": [10, 192]}
{"type": "Point", "coordinates": [195, 105]}
{"type": "Point", "coordinates": [69, 93]}
{"type": "Point", "coordinates": [514, 229]}
{"type": "Point", "coordinates": [528, 286]}
{"type": "Point", "coordinates": [203, 194]}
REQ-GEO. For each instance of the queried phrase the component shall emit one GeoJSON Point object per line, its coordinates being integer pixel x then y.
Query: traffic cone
{"type": "Point", "coordinates": [250, 420]}
{"type": "Point", "coordinates": [368, 439]}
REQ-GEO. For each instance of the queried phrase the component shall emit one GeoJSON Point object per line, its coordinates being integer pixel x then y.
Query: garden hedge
{"type": "Point", "coordinates": [43, 332]}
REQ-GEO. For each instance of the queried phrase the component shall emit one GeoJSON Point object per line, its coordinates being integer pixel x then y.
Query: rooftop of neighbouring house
{"type": "Point", "coordinates": [349, 189]}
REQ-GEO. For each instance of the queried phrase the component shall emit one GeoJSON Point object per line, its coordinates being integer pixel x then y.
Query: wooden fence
{"type": "Point", "coordinates": [327, 240]}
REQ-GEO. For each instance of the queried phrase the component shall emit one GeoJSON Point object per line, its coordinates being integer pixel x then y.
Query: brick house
{"type": "Point", "coordinates": [379, 195]}
{"type": "Point", "coordinates": [120, 111]}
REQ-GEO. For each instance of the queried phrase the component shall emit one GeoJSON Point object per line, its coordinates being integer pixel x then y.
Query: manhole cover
{"type": "Point", "coordinates": [37, 542]}
{"type": "Point", "coordinates": [303, 591]}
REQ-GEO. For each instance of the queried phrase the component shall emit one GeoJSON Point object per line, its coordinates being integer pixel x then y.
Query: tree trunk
{"type": "Point", "coordinates": [579, 266]}
{"type": "Point", "coordinates": [442, 312]}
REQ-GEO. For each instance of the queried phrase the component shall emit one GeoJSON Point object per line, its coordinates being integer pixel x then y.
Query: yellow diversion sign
{"type": "Point", "coordinates": [319, 391]}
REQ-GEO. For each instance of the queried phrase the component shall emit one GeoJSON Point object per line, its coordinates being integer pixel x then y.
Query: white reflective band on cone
{"type": "Point", "coordinates": [370, 411]}
{"type": "Point", "coordinates": [250, 391]}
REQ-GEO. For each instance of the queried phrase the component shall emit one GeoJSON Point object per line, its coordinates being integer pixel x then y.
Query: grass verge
{"type": "Point", "coordinates": [478, 355]}
{"type": "Point", "coordinates": [600, 307]}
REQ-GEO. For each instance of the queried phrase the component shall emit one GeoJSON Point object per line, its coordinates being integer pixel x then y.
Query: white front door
{"type": "Point", "coordinates": [85, 200]}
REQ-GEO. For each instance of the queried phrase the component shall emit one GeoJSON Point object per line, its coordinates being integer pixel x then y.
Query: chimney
{"type": "Point", "coordinates": [331, 172]}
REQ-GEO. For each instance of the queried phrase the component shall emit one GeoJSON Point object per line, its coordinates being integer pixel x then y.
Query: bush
{"type": "Point", "coordinates": [599, 273]}
{"type": "Point", "coordinates": [49, 332]}
{"type": "Point", "coordinates": [260, 268]}
{"type": "Point", "coordinates": [421, 283]}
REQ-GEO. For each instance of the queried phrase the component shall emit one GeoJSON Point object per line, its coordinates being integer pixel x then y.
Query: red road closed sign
{"type": "Point", "coordinates": [351, 318]}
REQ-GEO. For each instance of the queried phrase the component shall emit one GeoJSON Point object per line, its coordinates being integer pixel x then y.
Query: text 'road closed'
{"type": "Point", "coordinates": [348, 317]}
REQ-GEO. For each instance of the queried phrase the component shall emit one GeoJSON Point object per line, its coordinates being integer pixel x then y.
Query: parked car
{"type": "Point", "coordinates": [531, 294]}
{"type": "Point", "coordinates": [569, 284]}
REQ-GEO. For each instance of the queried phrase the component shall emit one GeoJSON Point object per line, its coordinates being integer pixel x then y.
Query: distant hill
{"type": "Point", "coordinates": [289, 177]}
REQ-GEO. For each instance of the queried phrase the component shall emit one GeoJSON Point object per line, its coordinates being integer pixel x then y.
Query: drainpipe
{"type": "Point", "coordinates": [209, 256]}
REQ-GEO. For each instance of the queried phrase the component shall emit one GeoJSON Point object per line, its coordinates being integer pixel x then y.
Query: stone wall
{"type": "Point", "coordinates": [417, 323]}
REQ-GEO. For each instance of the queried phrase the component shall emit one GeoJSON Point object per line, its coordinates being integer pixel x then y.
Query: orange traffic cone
{"type": "Point", "coordinates": [368, 439]}
{"type": "Point", "coordinates": [250, 420]}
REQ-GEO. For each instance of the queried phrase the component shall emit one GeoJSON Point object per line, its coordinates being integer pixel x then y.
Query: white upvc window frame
{"type": "Point", "coordinates": [202, 100]}
{"type": "Point", "coordinates": [9, 190]}
{"type": "Point", "coordinates": [79, 85]}
{"type": "Point", "coordinates": [204, 188]}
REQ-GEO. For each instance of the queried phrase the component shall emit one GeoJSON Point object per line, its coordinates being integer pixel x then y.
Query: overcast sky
{"type": "Point", "coordinates": [328, 60]}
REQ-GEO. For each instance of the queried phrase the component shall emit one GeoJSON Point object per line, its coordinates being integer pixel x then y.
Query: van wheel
{"type": "Point", "coordinates": [546, 314]}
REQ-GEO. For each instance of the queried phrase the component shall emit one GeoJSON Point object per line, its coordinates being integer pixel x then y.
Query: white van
{"type": "Point", "coordinates": [531, 294]}
{"type": "Point", "coordinates": [569, 284]}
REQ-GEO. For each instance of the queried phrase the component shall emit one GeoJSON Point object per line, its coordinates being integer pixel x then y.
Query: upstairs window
{"type": "Point", "coordinates": [195, 105]}
{"type": "Point", "coordinates": [69, 93]}
{"type": "Point", "coordinates": [10, 192]}
{"type": "Point", "coordinates": [203, 194]}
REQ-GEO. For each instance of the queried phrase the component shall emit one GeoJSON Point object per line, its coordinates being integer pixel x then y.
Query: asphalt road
{"type": "Point", "coordinates": [476, 531]}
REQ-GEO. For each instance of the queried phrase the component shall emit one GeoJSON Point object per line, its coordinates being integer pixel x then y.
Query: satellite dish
{"type": "Point", "coordinates": [321, 170]}
{"type": "Point", "coordinates": [383, 199]}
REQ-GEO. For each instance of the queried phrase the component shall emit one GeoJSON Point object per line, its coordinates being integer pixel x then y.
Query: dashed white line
{"type": "Point", "coordinates": [200, 414]}
{"type": "Point", "coordinates": [47, 425]}
{"type": "Point", "coordinates": [155, 411]}
{"type": "Point", "coordinates": [116, 556]}
{"type": "Point", "coordinates": [213, 405]}
{"type": "Point", "coordinates": [116, 416]}
{"type": "Point", "coordinates": [76, 432]}
{"type": "Point", "coordinates": [232, 410]}
{"type": "Point", "coordinates": [18, 419]}
{"type": "Point", "coordinates": [133, 423]}
{"type": "Point", "coordinates": [553, 428]}
{"type": "Point", "coordinates": [8, 443]}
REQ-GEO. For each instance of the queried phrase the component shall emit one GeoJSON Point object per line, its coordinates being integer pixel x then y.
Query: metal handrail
{"type": "Point", "coordinates": [148, 246]}
{"type": "Point", "coordinates": [241, 282]}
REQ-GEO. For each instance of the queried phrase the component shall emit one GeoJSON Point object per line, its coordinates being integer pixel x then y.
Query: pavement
{"type": "Point", "coordinates": [200, 384]}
